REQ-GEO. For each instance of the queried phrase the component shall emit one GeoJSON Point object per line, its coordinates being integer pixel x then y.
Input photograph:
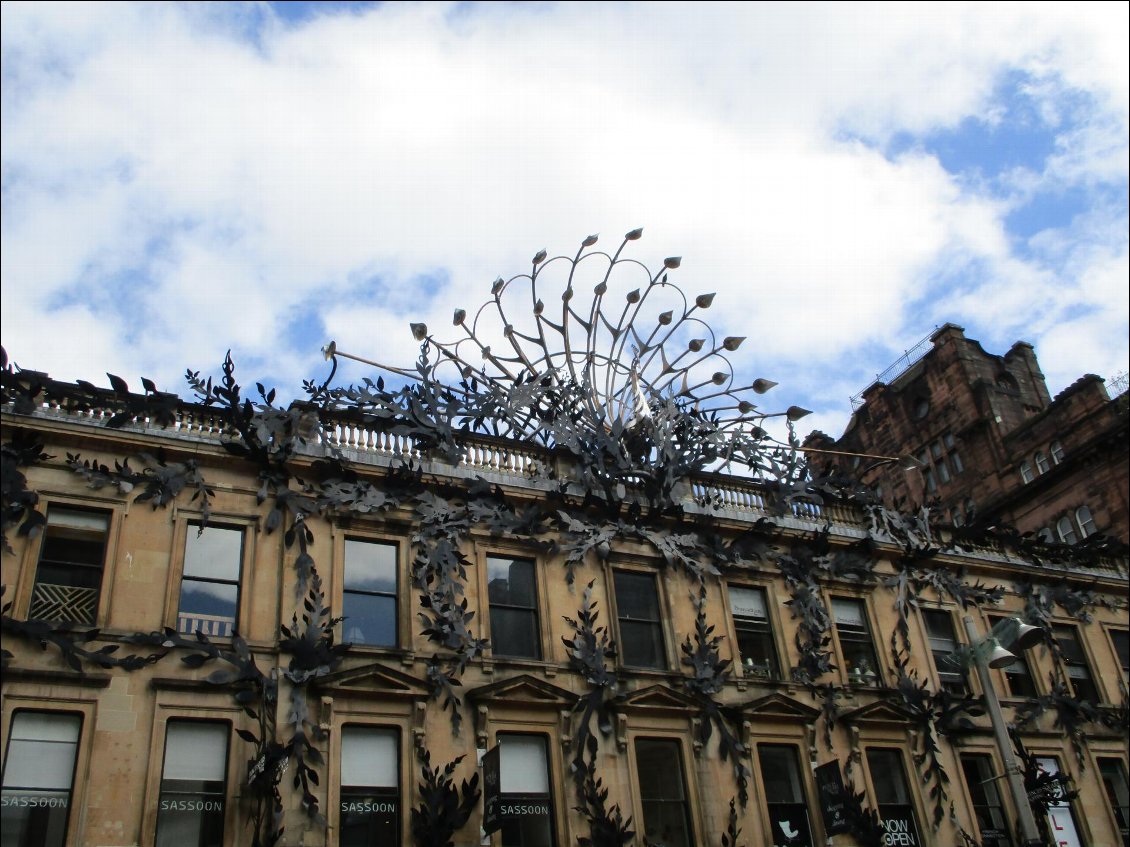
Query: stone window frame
{"type": "Point", "coordinates": [688, 771]}
{"type": "Point", "coordinates": [116, 508]}
{"type": "Point", "coordinates": [776, 632]}
{"type": "Point", "coordinates": [665, 623]}
{"type": "Point", "coordinates": [83, 702]}
{"type": "Point", "coordinates": [184, 522]}
{"type": "Point", "coordinates": [547, 648]}
{"type": "Point", "coordinates": [334, 584]}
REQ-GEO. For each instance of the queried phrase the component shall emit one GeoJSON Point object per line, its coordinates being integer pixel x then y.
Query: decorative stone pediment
{"type": "Point", "coordinates": [779, 707]}
{"type": "Point", "coordinates": [525, 690]}
{"type": "Point", "coordinates": [880, 712]}
{"type": "Point", "coordinates": [656, 698]}
{"type": "Point", "coordinates": [375, 679]}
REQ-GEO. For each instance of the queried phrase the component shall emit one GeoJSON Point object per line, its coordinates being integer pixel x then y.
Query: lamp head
{"type": "Point", "coordinates": [1000, 658]}
{"type": "Point", "coordinates": [1027, 636]}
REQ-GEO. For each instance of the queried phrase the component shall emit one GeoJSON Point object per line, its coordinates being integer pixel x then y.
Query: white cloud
{"type": "Point", "coordinates": [242, 180]}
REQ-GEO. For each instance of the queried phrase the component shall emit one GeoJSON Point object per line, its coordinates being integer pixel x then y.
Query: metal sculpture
{"type": "Point", "coordinates": [621, 341]}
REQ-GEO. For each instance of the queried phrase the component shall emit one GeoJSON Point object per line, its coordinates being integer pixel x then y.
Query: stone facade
{"type": "Point", "coordinates": [132, 732]}
{"type": "Point", "coordinates": [996, 447]}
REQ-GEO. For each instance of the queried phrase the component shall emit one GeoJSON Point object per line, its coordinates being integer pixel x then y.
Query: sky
{"type": "Point", "coordinates": [183, 179]}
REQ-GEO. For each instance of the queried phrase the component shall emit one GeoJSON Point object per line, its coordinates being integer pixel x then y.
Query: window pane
{"type": "Point", "coordinates": [784, 796]}
{"type": "Point", "coordinates": [191, 807]}
{"type": "Point", "coordinates": [748, 603]}
{"type": "Point", "coordinates": [526, 802]}
{"type": "Point", "coordinates": [982, 785]}
{"type": "Point", "coordinates": [69, 574]}
{"type": "Point", "coordinates": [369, 619]}
{"type": "Point", "coordinates": [665, 815]}
{"type": "Point", "coordinates": [887, 776]}
{"type": "Point", "coordinates": [208, 607]}
{"type": "Point", "coordinates": [514, 632]}
{"type": "Point", "coordinates": [368, 757]}
{"type": "Point", "coordinates": [848, 613]}
{"type": "Point", "coordinates": [511, 582]}
{"type": "Point", "coordinates": [642, 645]}
{"type": "Point", "coordinates": [636, 597]}
{"type": "Point", "coordinates": [1113, 774]}
{"type": "Point", "coordinates": [214, 554]}
{"type": "Point", "coordinates": [370, 566]}
{"type": "Point", "coordinates": [38, 775]}
{"type": "Point", "coordinates": [1121, 639]}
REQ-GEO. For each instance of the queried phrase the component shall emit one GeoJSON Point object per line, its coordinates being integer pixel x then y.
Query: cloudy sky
{"type": "Point", "coordinates": [181, 179]}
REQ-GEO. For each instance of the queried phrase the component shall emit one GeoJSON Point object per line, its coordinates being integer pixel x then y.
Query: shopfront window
{"type": "Point", "coordinates": [896, 812]}
{"type": "Point", "coordinates": [370, 795]}
{"type": "Point", "coordinates": [666, 813]}
{"type": "Point", "coordinates": [190, 810]}
{"type": "Point", "coordinates": [526, 802]}
{"type": "Point", "coordinates": [39, 775]}
{"type": "Point", "coordinates": [784, 795]}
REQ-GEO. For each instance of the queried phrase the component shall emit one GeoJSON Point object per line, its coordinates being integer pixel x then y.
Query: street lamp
{"type": "Point", "coordinates": [987, 652]}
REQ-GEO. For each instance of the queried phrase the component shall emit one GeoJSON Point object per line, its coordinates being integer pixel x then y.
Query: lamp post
{"type": "Point", "coordinates": [1026, 637]}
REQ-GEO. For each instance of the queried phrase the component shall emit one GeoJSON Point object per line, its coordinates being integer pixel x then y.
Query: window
{"type": "Point", "coordinates": [666, 815]}
{"type": "Point", "coordinates": [69, 577]}
{"type": "Point", "coordinates": [756, 651]}
{"type": "Point", "coordinates": [1066, 530]}
{"type": "Point", "coordinates": [209, 589]}
{"type": "Point", "coordinates": [190, 811]}
{"type": "Point", "coordinates": [941, 461]}
{"type": "Point", "coordinates": [1085, 521]}
{"type": "Point", "coordinates": [512, 593]}
{"type": "Point", "coordinates": [982, 784]}
{"type": "Point", "coordinates": [1075, 662]}
{"type": "Point", "coordinates": [370, 801]}
{"type": "Point", "coordinates": [39, 774]}
{"type": "Point", "coordinates": [1042, 465]}
{"type": "Point", "coordinates": [1026, 472]}
{"type": "Point", "coordinates": [1056, 450]}
{"type": "Point", "coordinates": [892, 796]}
{"type": "Point", "coordinates": [1121, 640]}
{"type": "Point", "coordinates": [943, 645]}
{"type": "Point", "coordinates": [1045, 535]}
{"type": "Point", "coordinates": [641, 629]}
{"type": "Point", "coordinates": [856, 645]}
{"type": "Point", "coordinates": [1061, 818]}
{"type": "Point", "coordinates": [368, 601]}
{"type": "Point", "coordinates": [1018, 675]}
{"type": "Point", "coordinates": [526, 804]}
{"type": "Point", "coordinates": [784, 795]}
{"type": "Point", "coordinates": [1113, 774]}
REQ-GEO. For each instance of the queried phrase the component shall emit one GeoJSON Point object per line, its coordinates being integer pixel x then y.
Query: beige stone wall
{"type": "Point", "coordinates": [125, 713]}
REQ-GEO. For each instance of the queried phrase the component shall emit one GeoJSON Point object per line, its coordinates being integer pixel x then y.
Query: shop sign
{"type": "Point", "coordinates": [830, 784]}
{"type": "Point", "coordinates": [492, 789]}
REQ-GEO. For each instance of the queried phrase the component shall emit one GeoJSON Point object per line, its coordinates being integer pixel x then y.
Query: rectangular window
{"type": "Point", "coordinates": [513, 597]}
{"type": "Point", "coordinates": [985, 794]}
{"type": "Point", "coordinates": [784, 795]}
{"type": "Point", "coordinates": [209, 589]}
{"type": "Point", "coordinates": [756, 650]}
{"type": "Point", "coordinates": [39, 774]}
{"type": "Point", "coordinates": [190, 811]}
{"type": "Point", "coordinates": [1018, 675]}
{"type": "Point", "coordinates": [666, 815]}
{"type": "Point", "coordinates": [943, 646]}
{"type": "Point", "coordinates": [1120, 638]}
{"type": "Point", "coordinates": [369, 595]}
{"type": "Point", "coordinates": [1075, 662]}
{"type": "Point", "coordinates": [856, 645]}
{"type": "Point", "coordinates": [1113, 774]}
{"type": "Point", "coordinates": [526, 802]}
{"type": "Point", "coordinates": [69, 577]}
{"type": "Point", "coordinates": [641, 629]}
{"type": "Point", "coordinates": [954, 456]}
{"type": "Point", "coordinates": [370, 792]}
{"type": "Point", "coordinates": [1061, 818]}
{"type": "Point", "coordinates": [892, 796]}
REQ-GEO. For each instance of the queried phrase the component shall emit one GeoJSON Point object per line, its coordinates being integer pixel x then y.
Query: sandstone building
{"type": "Point", "coordinates": [364, 619]}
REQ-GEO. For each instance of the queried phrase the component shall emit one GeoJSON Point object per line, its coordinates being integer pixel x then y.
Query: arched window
{"type": "Point", "coordinates": [1066, 530]}
{"type": "Point", "coordinates": [1045, 535]}
{"type": "Point", "coordinates": [958, 518]}
{"type": "Point", "coordinates": [1026, 472]}
{"type": "Point", "coordinates": [1056, 449]}
{"type": "Point", "coordinates": [1086, 522]}
{"type": "Point", "coordinates": [1042, 465]}
{"type": "Point", "coordinates": [970, 509]}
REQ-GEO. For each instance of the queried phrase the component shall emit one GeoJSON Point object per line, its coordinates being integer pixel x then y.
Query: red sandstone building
{"type": "Point", "coordinates": [995, 446]}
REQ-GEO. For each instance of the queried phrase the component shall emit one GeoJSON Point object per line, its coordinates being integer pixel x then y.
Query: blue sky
{"type": "Point", "coordinates": [178, 179]}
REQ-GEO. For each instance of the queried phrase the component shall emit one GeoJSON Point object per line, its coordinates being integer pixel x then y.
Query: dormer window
{"type": "Point", "coordinates": [1042, 466]}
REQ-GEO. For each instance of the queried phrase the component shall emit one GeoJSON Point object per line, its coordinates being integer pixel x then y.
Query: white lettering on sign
{"type": "Point", "coordinates": [192, 805]}
{"type": "Point", "coordinates": [369, 806]}
{"type": "Point", "coordinates": [524, 810]}
{"type": "Point", "coordinates": [24, 802]}
{"type": "Point", "coordinates": [899, 833]}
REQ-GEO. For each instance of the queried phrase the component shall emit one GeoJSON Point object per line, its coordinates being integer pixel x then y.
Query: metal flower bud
{"type": "Point", "coordinates": [419, 331]}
